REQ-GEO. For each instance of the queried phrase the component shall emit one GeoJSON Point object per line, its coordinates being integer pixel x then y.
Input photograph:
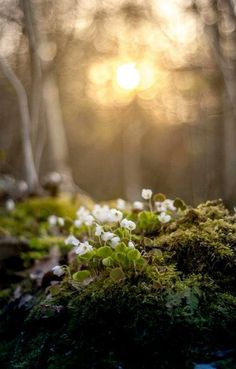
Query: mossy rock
{"type": "Point", "coordinates": [128, 325]}
{"type": "Point", "coordinates": [29, 217]}
{"type": "Point", "coordinates": [180, 310]}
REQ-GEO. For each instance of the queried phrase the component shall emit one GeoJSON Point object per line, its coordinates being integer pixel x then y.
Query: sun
{"type": "Point", "coordinates": [128, 76]}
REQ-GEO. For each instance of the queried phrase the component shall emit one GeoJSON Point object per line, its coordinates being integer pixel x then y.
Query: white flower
{"type": "Point", "coordinates": [131, 225]}
{"type": "Point", "coordinates": [138, 205]}
{"type": "Point", "coordinates": [121, 204]}
{"type": "Point", "coordinates": [106, 236]}
{"type": "Point", "coordinates": [131, 245]}
{"type": "Point", "coordinates": [61, 221]}
{"type": "Point", "coordinates": [98, 230]}
{"type": "Point", "coordinates": [116, 215]}
{"type": "Point", "coordinates": [52, 220]}
{"type": "Point", "coordinates": [101, 213]}
{"type": "Point", "coordinates": [170, 204]}
{"type": "Point", "coordinates": [82, 212]}
{"type": "Point", "coordinates": [164, 218]}
{"type": "Point", "coordinates": [114, 241]}
{"type": "Point", "coordinates": [128, 224]}
{"type": "Point", "coordinates": [84, 217]}
{"type": "Point", "coordinates": [10, 205]}
{"type": "Point", "coordinates": [72, 240]}
{"type": "Point", "coordinates": [58, 270]}
{"type": "Point", "coordinates": [88, 220]}
{"type": "Point", "coordinates": [83, 248]}
{"type": "Point", "coordinates": [160, 206]}
{"type": "Point", "coordinates": [78, 223]}
{"type": "Point", "coordinates": [124, 223]}
{"type": "Point", "coordinates": [146, 194]}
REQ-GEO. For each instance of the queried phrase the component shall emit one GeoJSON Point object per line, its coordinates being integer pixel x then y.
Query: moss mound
{"type": "Point", "coordinates": [168, 304]}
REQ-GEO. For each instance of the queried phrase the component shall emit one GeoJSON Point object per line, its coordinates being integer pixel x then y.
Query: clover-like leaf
{"type": "Point", "coordinates": [147, 241]}
{"type": "Point", "coordinates": [81, 275]}
{"type": "Point", "coordinates": [133, 255]}
{"type": "Point", "coordinates": [117, 274]}
{"type": "Point", "coordinates": [88, 256]}
{"type": "Point", "coordinates": [159, 197]}
{"type": "Point", "coordinates": [104, 251]}
{"type": "Point", "coordinates": [121, 258]}
{"type": "Point", "coordinates": [121, 247]}
{"type": "Point", "coordinates": [141, 263]}
{"type": "Point", "coordinates": [179, 204]}
{"type": "Point", "coordinates": [108, 262]}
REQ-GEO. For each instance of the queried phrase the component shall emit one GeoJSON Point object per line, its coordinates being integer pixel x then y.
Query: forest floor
{"type": "Point", "coordinates": [145, 285]}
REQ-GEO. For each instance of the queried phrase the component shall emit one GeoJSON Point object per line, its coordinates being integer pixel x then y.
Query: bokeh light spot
{"type": "Point", "coordinates": [128, 76]}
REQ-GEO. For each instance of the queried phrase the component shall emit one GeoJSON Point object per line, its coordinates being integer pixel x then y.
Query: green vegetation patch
{"type": "Point", "coordinates": [150, 285]}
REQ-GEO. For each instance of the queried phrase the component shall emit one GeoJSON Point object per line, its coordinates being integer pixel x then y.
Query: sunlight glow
{"type": "Point", "coordinates": [128, 76]}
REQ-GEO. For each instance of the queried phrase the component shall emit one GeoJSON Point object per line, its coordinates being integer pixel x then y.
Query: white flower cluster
{"type": "Point", "coordinates": [111, 237]}
{"type": "Point", "coordinates": [53, 220]}
{"type": "Point", "coordinates": [107, 236]}
{"type": "Point", "coordinates": [162, 208]}
{"type": "Point", "coordinates": [83, 248]}
{"type": "Point", "coordinates": [165, 205]}
{"type": "Point", "coordinates": [164, 218]}
{"type": "Point", "coordinates": [83, 217]}
{"type": "Point", "coordinates": [100, 214]}
{"type": "Point", "coordinates": [80, 248]}
{"type": "Point", "coordinates": [104, 214]}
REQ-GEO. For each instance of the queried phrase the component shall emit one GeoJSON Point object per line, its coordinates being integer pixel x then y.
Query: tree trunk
{"type": "Point", "coordinates": [45, 96]}
{"type": "Point", "coordinates": [31, 174]}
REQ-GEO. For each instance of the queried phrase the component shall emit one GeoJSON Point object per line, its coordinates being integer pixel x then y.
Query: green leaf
{"type": "Point", "coordinates": [117, 274]}
{"type": "Point", "coordinates": [108, 262]}
{"type": "Point", "coordinates": [159, 197]}
{"type": "Point", "coordinates": [121, 247]}
{"type": "Point", "coordinates": [104, 251]}
{"type": "Point", "coordinates": [134, 255]}
{"type": "Point", "coordinates": [81, 275]}
{"type": "Point", "coordinates": [88, 256]}
{"type": "Point", "coordinates": [121, 258]}
{"type": "Point", "coordinates": [144, 218]}
{"type": "Point", "coordinates": [148, 220]}
{"type": "Point", "coordinates": [147, 241]}
{"type": "Point", "coordinates": [179, 204]}
{"type": "Point", "coordinates": [140, 263]}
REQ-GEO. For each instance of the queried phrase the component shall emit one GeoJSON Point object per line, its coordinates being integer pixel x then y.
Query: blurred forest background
{"type": "Point", "coordinates": [119, 95]}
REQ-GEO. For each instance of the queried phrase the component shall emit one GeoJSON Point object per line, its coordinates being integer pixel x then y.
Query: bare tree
{"type": "Point", "coordinates": [31, 175]}
{"type": "Point", "coordinates": [45, 96]}
{"type": "Point", "coordinates": [40, 113]}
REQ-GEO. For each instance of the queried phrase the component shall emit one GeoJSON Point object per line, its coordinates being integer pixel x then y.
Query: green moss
{"type": "Point", "coordinates": [30, 216]}
{"type": "Point", "coordinates": [178, 309]}
{"type": "Point", "coordinates": [202, 242]}
{"type": "Point", "coordinates": [39, 248]}
{"type": "Point", "coordinates": [129, 324]}
{"type": "Point", "coordinates": [29, 222]}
